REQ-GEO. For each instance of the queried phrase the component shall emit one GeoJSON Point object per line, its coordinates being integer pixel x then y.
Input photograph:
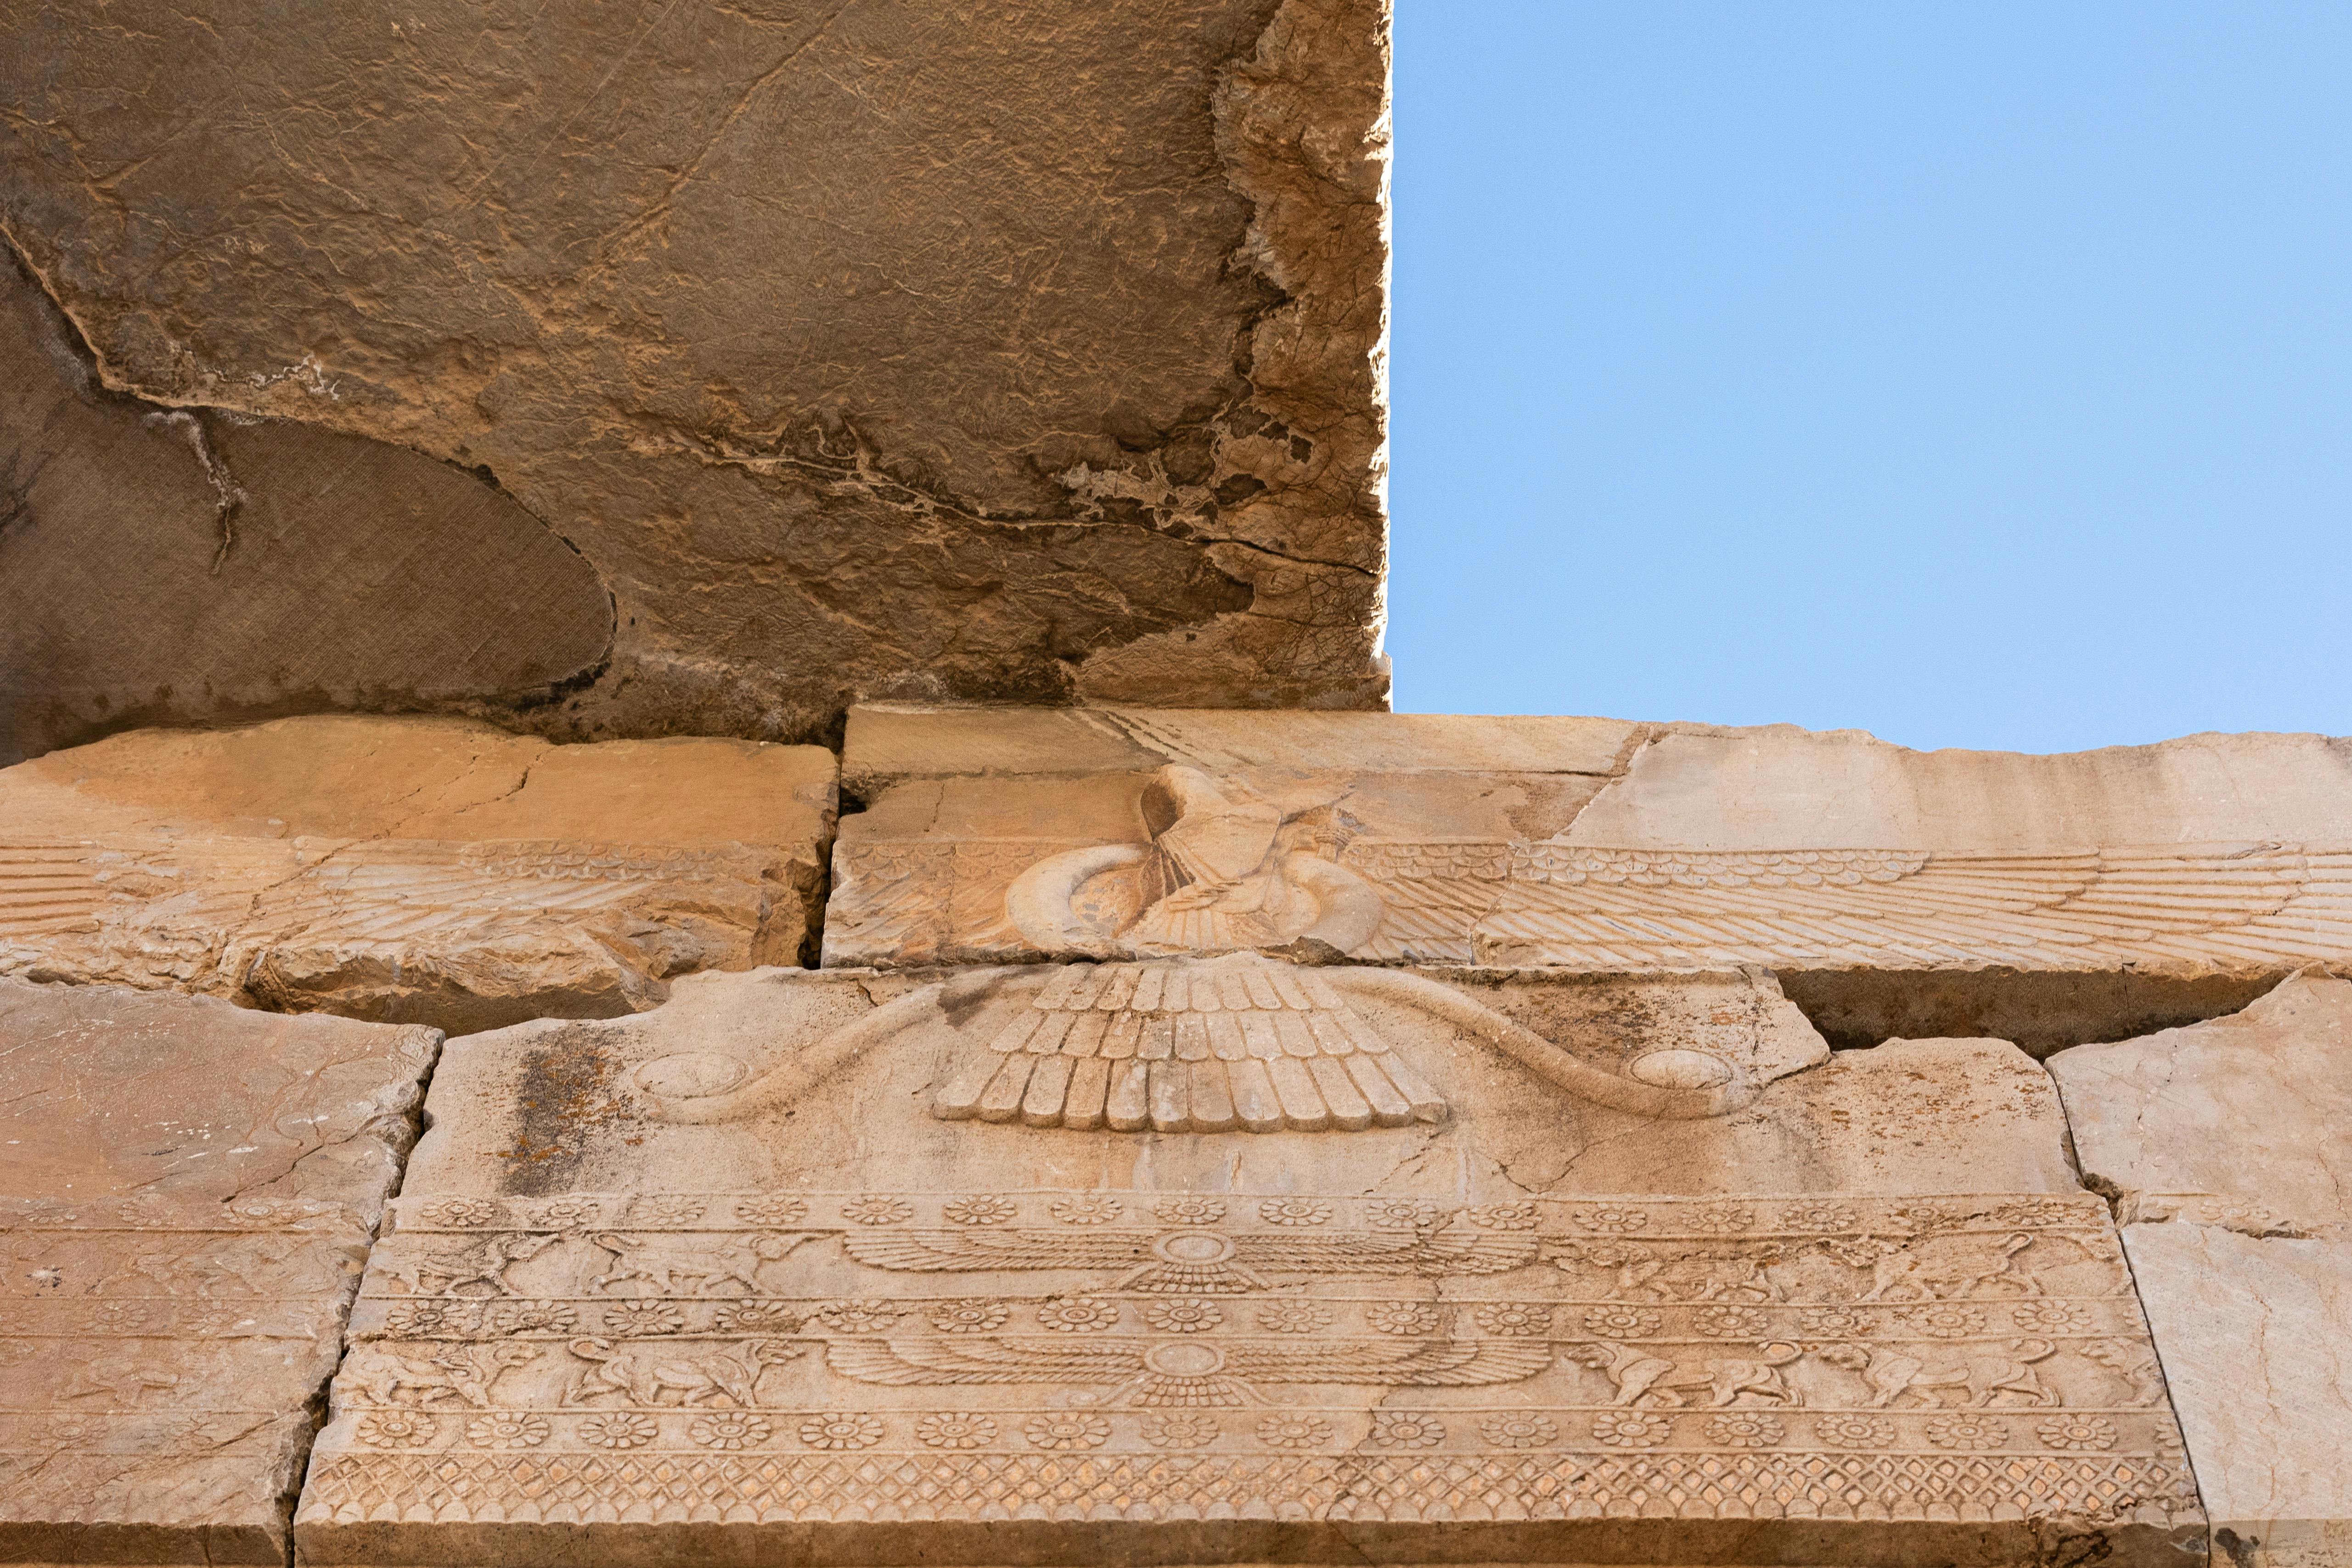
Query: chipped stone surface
{"type": "Point", "coordinates": [1559, 1270]}
{"type": "Point", "coordinates": [890, 744]}
{"type": "Point", "coordinates": [2226, 1148]}
{"type": "Point", "coordinates": [1022, 352]}
{"type": "Point", "coordinates": [1594, 845]}
{"type": "Point", "coordinates": [163, 565]}
{"type": "Point", "coordinates": [2240, 1122]}
{"type": "Point", "coordinates": [432, 871]}
{"type": "Point", "coordinates": [186, 1192]}
{"type": "Point", "coordinates": [1768, 787]}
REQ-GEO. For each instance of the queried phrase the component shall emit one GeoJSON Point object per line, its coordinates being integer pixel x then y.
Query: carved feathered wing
{"type": "Point", "coordinates": [1404, 1363]}
{"type": "Point", "coordinates": [933, 1251]}
{"type": "Point", "coordinates": [400, 890]}
{"type": "Point", "coordinates": [1403, 1254]}
{"type": "Point", "coordinates": [1435, 895]}
{"type": "Point", "coordinates": [46, 887]}
{"type": "Point", "coordinates": [391, 891]}
{"type": "Point", "coordinates": [1553, 904]}
{"type": "Point", "coordinates": [895, 897]}
{"type": "Point", "coordinates": [63, 886]}
{"type": "Point", "coordinates": [942, 1361]}
{"type": "Point", "coordinates": [909, 902]}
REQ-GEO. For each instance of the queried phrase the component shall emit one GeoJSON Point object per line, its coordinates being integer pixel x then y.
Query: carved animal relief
{"type": "Point", "coordinates": [135, 1349]}
{"type": "Point", "coordinates": [826, 1356]}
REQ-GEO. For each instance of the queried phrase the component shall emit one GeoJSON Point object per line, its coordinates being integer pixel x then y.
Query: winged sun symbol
{"type": "Point", "coordinates": [1183, 1373]}
{"type": "Point", "coordinates": [1199, 1262]}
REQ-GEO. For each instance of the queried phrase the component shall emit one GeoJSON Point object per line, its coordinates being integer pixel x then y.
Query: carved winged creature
{"type": "Point", "coordinates": [1227, 869]}
{"type": "Point", "coordinates": [1199, 1261]}
{"type": "Point", "coordinates": [368, 903]}
{"type": "Point", "coordinates": [1190, 1371]}
{"type": "Point", "coordinates": [1282, 1048]}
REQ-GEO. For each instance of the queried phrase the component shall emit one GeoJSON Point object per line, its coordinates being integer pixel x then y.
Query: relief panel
{"type": "Point", "coordinates": [1025, 1354]}
{"type": "Point", "coordinates": [942, 1319]}
{"type": "Point", "coordinates": [1368, 867]}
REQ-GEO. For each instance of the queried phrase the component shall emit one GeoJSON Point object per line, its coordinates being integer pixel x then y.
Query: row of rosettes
{"type": "Point", "coordinates": [1539, 862]}
{"type": "Point", "coordinates": [159, 1317]}
{"type": "Point", "coordinates": [1609, 1216]}
{"type": "Point", "coordinates": [646, 1317]}
{"type": "Point", "coordinates": [731, 1430]}
{"type": "Point", "coordinates": [568, 859]}
{"type": "Point", "coordinates": [165, 1434]}
{"type": "Point", "coordinates": [47, 1213]}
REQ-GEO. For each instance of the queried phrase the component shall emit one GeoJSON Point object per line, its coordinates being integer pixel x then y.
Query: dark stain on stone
{"type": "Point", "coordinates": [568, 1091]}
{"type": "Point", "coordinates": [966, 995]}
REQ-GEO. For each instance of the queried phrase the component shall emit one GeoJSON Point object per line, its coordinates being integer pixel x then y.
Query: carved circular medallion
{"type": "Point", "coordinates": [692, 1074]}
{"type": "Point", "coordinates": [1680, 1069]}
{"type": "Point", "coordinates": [1193, 1247]}
{"type": "Point", "coordinates": [1186, 1358]}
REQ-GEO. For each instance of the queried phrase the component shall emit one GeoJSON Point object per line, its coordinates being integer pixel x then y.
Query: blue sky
{"type": "Point", "coordinates": [1975, 374]}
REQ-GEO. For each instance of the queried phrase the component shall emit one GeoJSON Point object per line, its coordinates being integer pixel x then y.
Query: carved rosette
{"type": "Point", "coordinates": [1327, 1356]}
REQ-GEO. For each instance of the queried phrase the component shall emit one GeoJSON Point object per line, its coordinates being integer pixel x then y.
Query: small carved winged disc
{"type": "Point", "coordinates": [1199, 1262]}
{"type": "Point", "coordinates": [1189, 1371]}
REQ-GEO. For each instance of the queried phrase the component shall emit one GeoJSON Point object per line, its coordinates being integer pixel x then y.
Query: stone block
{"type": "Point", "coordinates": [187, 1190]}
{"type": "Point", "coordinates": [2226, 1148]}
{"type": "Point", "coordinates": [2252, 1332]}
{"type": "Point", "coordinates": [1225, 1259]}
{"type": "Point", "coordinates": [1027, 352]}
{"type": "Point", "coordinates": [171, 565]}
{"type": "Point", "coordinates": [432, 871]}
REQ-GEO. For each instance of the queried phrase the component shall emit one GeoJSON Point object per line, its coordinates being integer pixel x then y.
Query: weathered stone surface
{"type": "Point", "coordinates": [2244, 1122]}
{"type": "Point", "coordinates": [2253, 1333]}
{"type": "Point", "coordinates": [186, 1191]}
{"type": "Point", "coordinates": [2228, 1148]}
{"type": "Point", "coordinates": [2197, 870]}
{"type": "Point", "coordinates": [170, 565]}
{"type": "Point", "coordinates": [1221, 1260]}
{"type": "Point", "coordinates": [431, 870]}
{"type": "Point", "coordinates": [1024, 352]}
{"type": "Point", "coordinates": [1767, 788]}
{"type": "Point", "coordinates": [896, 743]}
